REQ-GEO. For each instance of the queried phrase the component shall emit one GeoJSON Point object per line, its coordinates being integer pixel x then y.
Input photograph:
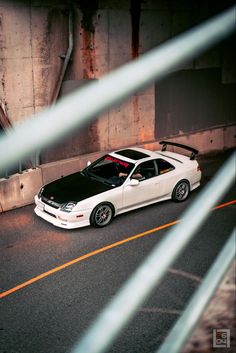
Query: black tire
{"type": "Point", "coordinates": [102, 215]}
{"type": "Point", "coordinates": [181, 191]}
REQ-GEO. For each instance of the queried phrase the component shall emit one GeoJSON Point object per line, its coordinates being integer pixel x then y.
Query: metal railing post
{"type": "Point", "coordinates": [20, 169]}
{"type": "Point", "coordinates": [6, 175]}
{"type": "Point", "coordinates": [189, 319]}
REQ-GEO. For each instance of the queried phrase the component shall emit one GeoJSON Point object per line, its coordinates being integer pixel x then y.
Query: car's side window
{"type": "Point", "coordinates": [145, 170]}
{"type": "Point", "coordinates": [164, 166]}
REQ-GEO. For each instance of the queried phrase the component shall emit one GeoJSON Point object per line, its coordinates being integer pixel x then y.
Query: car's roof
{"type": "Point", "coordinates": [134, 153]}
{"type": "Point", "coordinates": [137, 154]}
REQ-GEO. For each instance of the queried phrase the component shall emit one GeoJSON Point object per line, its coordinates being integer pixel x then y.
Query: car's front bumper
{"type": "Point", "coordinates": [66, 220]}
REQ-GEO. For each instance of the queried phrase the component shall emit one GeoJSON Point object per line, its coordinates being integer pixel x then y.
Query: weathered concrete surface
{"type": "Point", "coordinates": [32, 39]}
{"type": "Point", "coordinates": [206, 141]}
{"type": "Point", "coordinates": [220, 314]}
{"type": "Point", "coordinates": [18, 190]}
{"type": "Point", "coordinates": [55, 170]}
{"type": "Point", "coordinates": [107, 34]}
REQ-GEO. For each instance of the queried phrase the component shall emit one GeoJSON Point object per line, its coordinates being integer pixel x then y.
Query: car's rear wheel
{"type": "Point", "coordinates": [181, 191]}
{"type": "Point", "coordinates": [102, 215]}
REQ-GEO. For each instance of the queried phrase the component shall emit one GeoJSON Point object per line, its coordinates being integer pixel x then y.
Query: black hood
{"type": "Point", "coordinates": [74, 187]}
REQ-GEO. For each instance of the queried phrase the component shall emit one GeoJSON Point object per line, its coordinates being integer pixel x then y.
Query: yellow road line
{"type": "Point", "coordinates": [83, 257]}
{"type": "Point", "coordinates": [224, 204]}
{"type": "Point", "coordinates": [95, 252]}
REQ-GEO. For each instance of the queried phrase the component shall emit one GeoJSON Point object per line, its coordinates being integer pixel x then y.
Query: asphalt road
{"type": "Point", "coordinates": [54, 282]}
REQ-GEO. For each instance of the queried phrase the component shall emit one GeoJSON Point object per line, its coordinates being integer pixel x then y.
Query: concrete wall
{"type": "Point", "coordinates": [18, 190]}
{"type": "Point", "coordinates": [192, 100]}
{"type": "Point", "coordinates": [107, 34]}
{"type": "Point", "coordinates": [32, 38]}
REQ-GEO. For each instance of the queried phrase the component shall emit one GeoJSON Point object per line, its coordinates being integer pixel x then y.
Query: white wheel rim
{"type": "Point", "coordinates": [103, 215]}
{"type": "Point", "coordinates": [182, 191]}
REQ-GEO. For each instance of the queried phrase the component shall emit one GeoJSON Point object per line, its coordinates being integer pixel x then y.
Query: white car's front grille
{"type": "Point", "coordinates": [50, 202]}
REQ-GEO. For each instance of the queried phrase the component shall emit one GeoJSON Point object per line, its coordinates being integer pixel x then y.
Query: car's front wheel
{"type": "Point", "coordinates": [181, 191]}
{"type": "Point", "coordinates": [102, 215]}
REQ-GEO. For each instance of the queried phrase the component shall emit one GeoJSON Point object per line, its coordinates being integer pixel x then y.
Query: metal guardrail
{"type": "Point", "coordinates": [53, 124]}
{"type": "Point", "coordinates": [20, 167]}
{"type": "Point", "coordinates": [188, 320]}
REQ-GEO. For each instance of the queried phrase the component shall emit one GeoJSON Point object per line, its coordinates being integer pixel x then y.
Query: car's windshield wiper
{"type": "Point", "coordinates": [88, 174]}
{"type": "Point", "coordinates": [107, 182]}
{"type": "Point", "coordinates": [97, 178]}
{"type": "Point", "coordinates": [93, 176]}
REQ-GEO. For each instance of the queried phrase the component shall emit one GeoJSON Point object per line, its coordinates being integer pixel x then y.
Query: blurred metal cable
{"type": "Point", "coordinates": [124, 305]}
{"type": "Point", "coordinates": [189, 319]}
{"type": "Point", "coordinates": [80, 107]}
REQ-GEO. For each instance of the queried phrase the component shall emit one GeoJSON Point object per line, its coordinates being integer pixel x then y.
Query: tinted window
{"type": "Point", "coordinates": [144, 171]}
{"type": "Point", "coordinates": [109, 169]}
{"type": "Point", "coordinates": [164, 166]}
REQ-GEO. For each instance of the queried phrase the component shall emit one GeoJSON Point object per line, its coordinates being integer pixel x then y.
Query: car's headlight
{"type": "Point", "coordinates": [40, 192]}
{"type": "Point", "coordinates": [68, 206]}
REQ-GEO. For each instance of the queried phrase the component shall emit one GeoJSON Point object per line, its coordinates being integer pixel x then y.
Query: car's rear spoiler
{"type": "Point", "coordinates": [166, 143]}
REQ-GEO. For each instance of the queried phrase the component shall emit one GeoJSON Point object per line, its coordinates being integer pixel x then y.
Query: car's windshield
{"type": "Point", "coordinates": [110, 170]}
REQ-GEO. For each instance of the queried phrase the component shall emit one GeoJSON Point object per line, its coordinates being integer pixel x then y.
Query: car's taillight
{"type": "Point", "coordinates": [198, 168]}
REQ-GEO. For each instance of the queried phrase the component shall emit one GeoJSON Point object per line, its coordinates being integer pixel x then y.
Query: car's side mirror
{"type": "Point", "coordinates": [88, 163]}
{"type": "Point", "coordinates": [133, 182]}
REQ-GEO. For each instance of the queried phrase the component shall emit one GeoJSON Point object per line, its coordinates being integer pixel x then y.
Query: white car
{"type": "Point", "coordinates": [118, 182]}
